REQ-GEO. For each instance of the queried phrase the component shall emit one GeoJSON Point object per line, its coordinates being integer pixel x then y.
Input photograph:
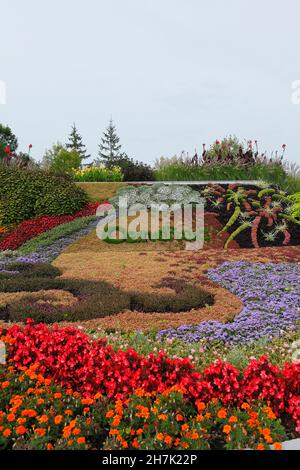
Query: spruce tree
{"type": "Point", "coordinates": [109, 149]}
{"type": "Point", "coordinates": [75, 143]}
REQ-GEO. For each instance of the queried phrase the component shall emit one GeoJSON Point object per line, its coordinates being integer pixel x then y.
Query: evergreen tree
{"type": "Point", "coordinates": [75, 143]}
{"type": "Point", "coordinates": [109, 149]}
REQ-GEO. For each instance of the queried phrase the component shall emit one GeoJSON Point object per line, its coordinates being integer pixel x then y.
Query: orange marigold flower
{"type": "Point", "coordinates": [5, 384]}
{"type": "Point", "coordinates": [97, 395]}
{"type": "Point", "coordinates": [222, 413]}
{"type": "Point", "coordinates": [201, 406]}
{"type": "Point", "coordinates": [177, 442]}
{"type": "Point", "coordinates": [266, 432]}
{"type": "Point", "coordinates": [160, 436]}
{"type": "Point", "coordinates": [67, 431]}
{"type": "Point", "coordinates": [245, 406]}
{"type": "Point", "coordinates": [135, 443]}
{"type": "Point", "coordinates": [113, 432]}
{"type": "Point", "coordinates": [6, 432]}
{"type": "Point", "coordinates": [58, 419]}
{"type": "Point", "coordinates": [76, 431]}
{"type": "Point", "coordinates": [49, 446]}
{"type": "Point", "coordinates": [139, 431]}
{"type": "Point", "coordinates": [185, 445]}
{"type": "Point", "coordinates": [68, 412]}
{"type": "Point", "coordinates": [168, 440]}
{"type": "Point", "coordinates": [194, 435]}
{"type": "Point", "coordinates": [233, 419]}
{"type": "Point", "coordinates": [87, 401]}
{"type": "Point", "coordinates": [268, 439]}
{"type": "Point", "coordinates": [199, 418]}
{"type": "Point", "coordinates": [227, 429]}
{"type": "Point", "coordinates": [86, 409]}
{"type": "Point", "coordinates": [40, 401]}
{"type": "Point", "coordinates": [10, 417]}
{"type": "Point", "coordinates": [271, 415]}
{"type": "Point", "coordinates": [109, 414]}
{"type": "Point", "coordinates": [57, 395]}
{"type": "Point", "coordinates": [162, 417]}
{"type": "Point", "coordinates": [277, 446]}
{"type": "Point", "coordinates": [154, 410]}
{"type": "Point", "coordinates": [124, 444]}
{"type": "Point", "coordinates": [179, 417]}
{"type": "Point", "coordinates": [184, 427]}
{"type": "Point", "coordinates": [29, 413]}
{"type": "Point", "coordinates": [21, 420]}
{"type": "Point", "coordinates": [207, 415]}
{"type": "Point", "coordinates": [70, 442]}
{"type": "Point", "coordinates": [116, 421]}
{"type": "Point", "coordinates": [40, 431]}
{"type": "Point", "coordinates": [260, 447]}
{"type": "Point", "coordinates": [20, 430]}
{"type": "Point", "coordinates": [81, 440]}
{"type": "Point", "coordinates": [43, 419]}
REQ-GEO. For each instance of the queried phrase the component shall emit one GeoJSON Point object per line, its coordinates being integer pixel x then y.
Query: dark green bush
{"type": "Point", "coordinates": [189, 297]}
{"type": "Point", "coordinates": [133, 170]}
{"type": "Point", "coordinates": [28, 193]}
{"type": "Point", "coordinates": [31, 270]}
{"type": "Point", "coordinates": [93, 299]}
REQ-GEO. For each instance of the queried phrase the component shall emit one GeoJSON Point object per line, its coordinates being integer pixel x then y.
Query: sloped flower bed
{"type": "Point", "coordinates": [33, 227]}
{"type": "Point", "coordinates": [92, 370]}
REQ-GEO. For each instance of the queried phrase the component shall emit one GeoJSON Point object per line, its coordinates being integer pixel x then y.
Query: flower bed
{"type": "Point", "coordinates": [271, 296]}
{"type": "Point", "coordinates": [33, 227]}
{"type": "Point", "coordinates": [90, 370]}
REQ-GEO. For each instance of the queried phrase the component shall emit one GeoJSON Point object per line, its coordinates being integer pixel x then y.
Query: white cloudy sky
{"type": "Point", "coordinates": [173, 73]}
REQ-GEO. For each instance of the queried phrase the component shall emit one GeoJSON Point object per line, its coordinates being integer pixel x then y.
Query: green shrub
{"type": "Point", "coordinates": [189, 297]}
{"type": "Point", "coordinates": [31, 270]}
{"type": "Point", "coordinates": [65, 161]}
{"type": "Point", "coordinates": [134, 170]}
{"type": "Point", "coordinates": [93, 299]}
{"type": "Point", "coordinates": [28, 193]}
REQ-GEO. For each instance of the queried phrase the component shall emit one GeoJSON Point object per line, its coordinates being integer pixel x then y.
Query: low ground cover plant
{"type": "Point", "coordinates": [271, 298]}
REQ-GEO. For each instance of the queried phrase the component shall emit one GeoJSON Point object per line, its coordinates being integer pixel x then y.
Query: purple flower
{"type": "Point", "coordinates": [270, 293]}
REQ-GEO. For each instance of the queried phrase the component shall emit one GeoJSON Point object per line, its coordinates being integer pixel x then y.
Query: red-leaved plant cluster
{"type": "Point", "coordinates": [75, 361]}
{"type": "Point", "coordinates": [33, 227]}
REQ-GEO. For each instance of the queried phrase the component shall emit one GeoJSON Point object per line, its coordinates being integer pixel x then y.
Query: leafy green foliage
{"type": "Point", "coordinates": [295, 209]}
{"type": "Point", "coordinates": [25, 194]}
{"type": "Point", "coordinates": [134, 170]}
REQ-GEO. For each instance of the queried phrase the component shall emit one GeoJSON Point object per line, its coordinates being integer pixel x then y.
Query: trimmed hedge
{"type": "Point", "coordinates": [25, 194]}
{"type": "Point", "coordinates": [93, 299]}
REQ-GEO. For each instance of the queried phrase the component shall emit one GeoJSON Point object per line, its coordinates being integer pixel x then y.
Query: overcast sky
{"type": "Point", "coordinates": [172, 73]}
